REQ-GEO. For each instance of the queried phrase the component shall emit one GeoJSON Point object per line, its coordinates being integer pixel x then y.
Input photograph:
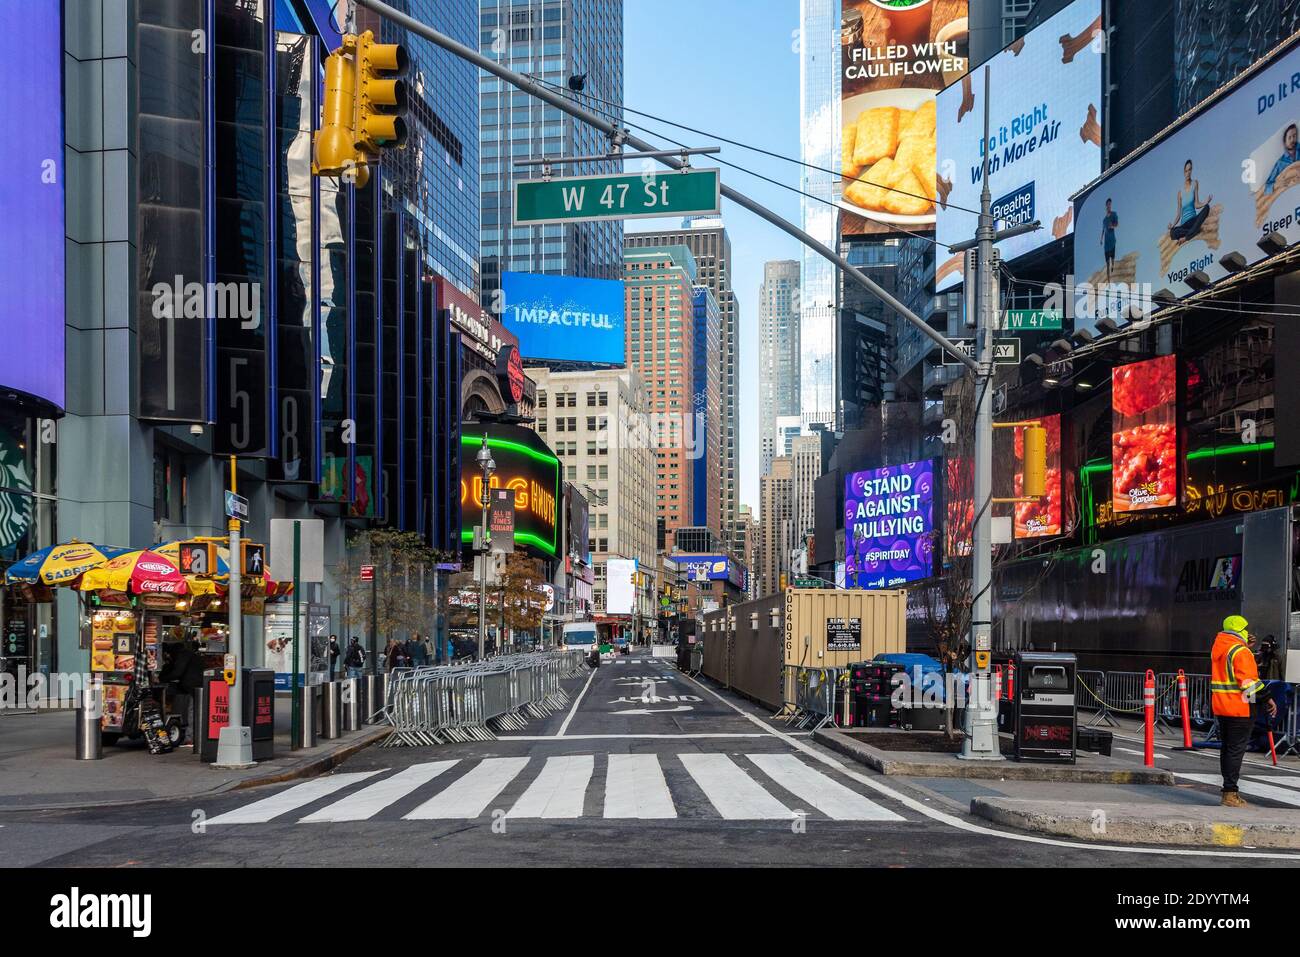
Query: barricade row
{"type": "Point", "coordinates": [471, 702]}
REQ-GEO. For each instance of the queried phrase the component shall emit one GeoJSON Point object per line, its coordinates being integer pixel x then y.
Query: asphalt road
{"type": "Point", "coordinates": [645, 767]}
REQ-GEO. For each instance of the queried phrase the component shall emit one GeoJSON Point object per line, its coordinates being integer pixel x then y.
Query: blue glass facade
{"type": "Point", "coordinates": [708, 410]}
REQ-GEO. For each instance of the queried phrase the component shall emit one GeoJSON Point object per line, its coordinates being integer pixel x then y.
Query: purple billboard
{"type": "Point", "coordinates": [31, 196]}
{"type": "Point", "coordinates": [889, 525]}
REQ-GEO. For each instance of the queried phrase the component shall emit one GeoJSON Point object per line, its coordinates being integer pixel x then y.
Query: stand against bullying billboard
{"type": "Point", "coordinates": [888, 525]}
{"type": "Point", "coordinates": [895, 55]}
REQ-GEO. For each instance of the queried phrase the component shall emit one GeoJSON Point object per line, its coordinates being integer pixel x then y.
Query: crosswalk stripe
{"type": "Point", "coordinates": [826, 795]}
{"type": "Point", "coordinates": [559, 790]}
{"type": "Point", "coordinates": [732, 792]}
{"type": "Point", "coordinates": [468, 796]}
{"type": "Point", "coordinates": [1285, 782]}
{"type": "Point", "coordinates": [1281, 795]}
{"type": "Point", "coordinates": [635, 788]}
{"type": "Point", "coordinates": [259, 812]}
{"type": "Point", "coordinates": [372, 799]}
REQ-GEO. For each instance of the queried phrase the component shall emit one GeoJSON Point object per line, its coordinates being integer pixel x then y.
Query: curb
{"type": "Point", "coordinates": [888, 764]}
{"type": "Point", "coordinates": [1221, 828]}
{"type": "Point", "coordinates": [310, 768]}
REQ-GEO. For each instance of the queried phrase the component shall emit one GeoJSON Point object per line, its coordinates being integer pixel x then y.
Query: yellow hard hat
{"type": "Point", "coordinates": [1235, 623]}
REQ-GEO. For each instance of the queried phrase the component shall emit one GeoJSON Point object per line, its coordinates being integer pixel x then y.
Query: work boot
{"type": "Point", "coordinates": [1233, 799]}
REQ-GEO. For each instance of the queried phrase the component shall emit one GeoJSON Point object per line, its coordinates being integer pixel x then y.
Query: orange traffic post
{"type": "Point", "coordinates": [997, 682]}
{"type": "Point", "coordinates": [1183, 707]}
{"type": "Point", "coordinates": [1149, 706]}
{"type": "Point", "coordinates": [1271, 748]}
{"type": "Point", "coordinates": [1011, 680]}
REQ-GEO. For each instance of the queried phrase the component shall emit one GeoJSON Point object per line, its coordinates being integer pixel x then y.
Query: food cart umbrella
{"type": "Point", "coordinates": [138, 572]}
{"type": "Point", "coordinates": [61, 564]}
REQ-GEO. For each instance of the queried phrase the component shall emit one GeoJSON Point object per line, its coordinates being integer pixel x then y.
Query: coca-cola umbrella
{"type": "Point", "coordinates": [141, 572]}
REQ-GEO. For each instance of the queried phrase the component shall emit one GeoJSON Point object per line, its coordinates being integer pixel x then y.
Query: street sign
{"type": "Point", "coordinates": [624, 196]}
{"type": "Point", "coordinates": [501, 520]}
{"type": "Point", "coordinates": [1034, 319]}
{"type": "Point", "coordinates": [367, 573]}
{"type": "Point", "coordinates": [236, 506]}
{"type": "Point", "coordinates": [1006, 352]}
{"type": "Point", "coordinates": [802, 582]}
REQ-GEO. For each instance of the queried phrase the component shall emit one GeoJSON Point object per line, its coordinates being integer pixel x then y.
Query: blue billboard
{"type": "Point", "coordinates": [889, 525]}
{"type": "Point", "coordinates": [564, 319]}
{"type": "Point", "coordinates": [31, 196]}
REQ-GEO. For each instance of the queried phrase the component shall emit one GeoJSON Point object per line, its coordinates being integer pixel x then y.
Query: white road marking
{"type": "Point", "coordinates": [1248, 786]}
{"type": "Point", "coordinates": [557, 792]}
{"type": "Point", "coordinates": [1158, 755]}
{"type": "Point", "coordinates": [300, 795]}
{"type": "Point", "coordinates": [373, 798]}
{"type": "Point", "coordinates": [1213, 755]}
{"type": "Point", "coordinates": [732, 792]}
{"type": "Point", "coordinates": [603, 737]}
{"type": "Point", "coordinates": [635, 788]}
{"type": "Point", "coordinates": [1280, 782]}
{"type": "Point", "coordinates": [576, 701]}
{"type": "Point", "coordinates": [826, 795]}
{"type": "Point", "coordinates": [467, 797]}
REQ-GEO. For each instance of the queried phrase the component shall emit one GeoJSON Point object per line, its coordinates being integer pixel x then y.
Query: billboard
{"type": "Point", "coordinates": [1046, 516]}
{"type": "Point", "coordinates": [719, 568]}
{"type": "Point", "coordinates": [1144, 435]}
{"type": "Point", "coordinates": [525, 466]}
{"type": "Point", "coordinates": [577, 523]}
{"type": "Point", "coordinates": [889, 525]}
{"type": "Point", "coordinates": [894, 56]}
{"type": "Point", "coordinates": [31, 195]}
{"type": "Point", "coordinates": [564, 319]}
{"type": "Point", "coordinates": [620, 587]}
{"type": "Point", "coordinates": [1217, 185]}
{"type": "Point", "coordinates": [1044, 136]}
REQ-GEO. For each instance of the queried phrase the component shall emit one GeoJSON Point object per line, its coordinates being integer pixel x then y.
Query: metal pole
{"type": "Point", "coordinates": [374, 613]}
{"type": "Point", "coordinates": [620, 135]}
{"type": "Point", "coordinates": [295, 720]}
{"type": "Point", "coordinates": [483, 558]}
{"type": "Point", "coordinates": [234, 743]}
{"type": "Point", "coordinates": [981, 715]}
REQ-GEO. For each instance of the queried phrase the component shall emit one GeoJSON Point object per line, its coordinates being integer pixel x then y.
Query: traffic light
{"type": "Point", "coordinates": [1035, 482]}
{"type": "Point", "coordinates": [252, 559]}
{"type": "Point", "coordinates": [197, 557]}
{"type": "Point", "coordinates": [364, 103]}
{"type": "Point", "coordinates": [335, 141]}
{"type": "Point", "coordinates": [378, 92]}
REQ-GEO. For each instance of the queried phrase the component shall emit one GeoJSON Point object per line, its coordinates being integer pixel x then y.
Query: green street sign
{"type": "Point", "coordinates": [1033, 319]}
{"type": "Point", "coordinates": [625, 196]}
{"type": "Point", "coordinates": [801, 582]}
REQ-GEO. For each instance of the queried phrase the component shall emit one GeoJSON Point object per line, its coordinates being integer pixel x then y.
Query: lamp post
{"type": "Point", "coordinates": [488, 466]}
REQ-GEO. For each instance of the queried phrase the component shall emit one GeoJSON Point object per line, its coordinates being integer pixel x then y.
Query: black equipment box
{"type": "Point", "coordinates": [1094, 739]}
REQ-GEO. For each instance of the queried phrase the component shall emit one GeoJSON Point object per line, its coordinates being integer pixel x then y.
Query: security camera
{"type": "Point", "coordinates": [196, 429]}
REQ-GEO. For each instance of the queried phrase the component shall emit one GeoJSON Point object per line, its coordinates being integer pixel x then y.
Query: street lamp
{"type": "Point", "coordinates": [488, 466]}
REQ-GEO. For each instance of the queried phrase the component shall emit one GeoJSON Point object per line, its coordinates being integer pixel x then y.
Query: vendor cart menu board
{"type": "Point", "coordinates": [1144, 435]}
{"type": "Point", "coordinates": [113, 660]}
{"type": "Point", "coordinates": [843, 634]}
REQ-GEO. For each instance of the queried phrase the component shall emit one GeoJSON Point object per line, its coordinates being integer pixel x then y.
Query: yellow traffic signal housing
{"type": "Point", "coordinates": [1035, 482]}
{"type": "Point", "coordinates": [379, 91]}
{"type": "Point", "coordinates": [335, 144]}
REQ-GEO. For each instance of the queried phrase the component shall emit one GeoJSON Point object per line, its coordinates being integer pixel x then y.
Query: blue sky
{"type": "Point", "coordinates": [728, 67]}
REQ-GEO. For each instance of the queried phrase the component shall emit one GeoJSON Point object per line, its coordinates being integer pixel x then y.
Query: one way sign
{"type": "Point", "coordinates": [1006, 352]}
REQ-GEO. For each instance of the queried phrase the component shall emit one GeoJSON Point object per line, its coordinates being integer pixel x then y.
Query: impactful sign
{"type": "Point", "coordinates": [843, 634]}
{"type": "Point", "coordinates": [525, 466]}
{"type": "Point", "coordinates": [888, 525]}
{"type": "Point", "coordinates": [1044, 137]}
{"type": "Point", "coordinates": [31, 195]}
{"type": "Point", "coordinates": [895, 55]}
{"type": "Point", "coordinates": [1144, 435]}
{"type": "Point", "coordinates": [1219, 184]}
{"type": "Point", "coordinates": [1044, 517]}
{"type": "Point", "coordinates": [565, 319]}
{"type": "Point", "coordinates": [620, 196]}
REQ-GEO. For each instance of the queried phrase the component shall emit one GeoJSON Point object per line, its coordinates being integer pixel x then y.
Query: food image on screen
{"type": "Point", "coordinates": [1044, 517]}
{"type": "Point", "coordinates": [1144, 441]}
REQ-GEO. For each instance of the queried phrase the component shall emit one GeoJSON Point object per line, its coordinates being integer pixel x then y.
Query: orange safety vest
{"type": "Point", "coordinates": [1234, 679]}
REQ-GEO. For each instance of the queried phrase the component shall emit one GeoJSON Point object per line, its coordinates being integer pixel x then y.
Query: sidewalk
{"type": "Point", "coordinates": [39, 770]}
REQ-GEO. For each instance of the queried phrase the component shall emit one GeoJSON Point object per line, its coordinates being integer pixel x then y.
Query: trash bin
{"type": "Point", "coordinates": [90, 742]}
{"type": "Point", "coordinates": [213, 708]}
{"type": "Point", "coordinates": [331, 725]}
{"type": "Point", "coordinates": [1045, 714]}
{"type": "Point", "coordinates": [259, 710]}
{"type": "Point", "coordinates": [351, 700]}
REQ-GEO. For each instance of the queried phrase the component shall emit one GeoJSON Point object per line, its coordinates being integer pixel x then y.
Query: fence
{"type": "Point", "coordinates": [457, 703]}
{"type": "Point", "coordinates": [1111, 693]}
{"type": "Point", "coordinates": [812, 695]}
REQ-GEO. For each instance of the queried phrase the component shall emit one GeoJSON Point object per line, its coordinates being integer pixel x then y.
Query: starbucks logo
{"type": "Point", "coordinates": [15, 492]}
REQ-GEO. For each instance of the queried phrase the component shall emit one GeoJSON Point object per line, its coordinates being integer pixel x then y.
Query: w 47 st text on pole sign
{"type": "Point", "coordinates": [630, 196]}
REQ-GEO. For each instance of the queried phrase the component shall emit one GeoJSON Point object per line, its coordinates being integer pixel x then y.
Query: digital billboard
{"type": "Point", "coordinates": [1218, 184]}
{"type": "Point", "coordinates": [564, 319]}
{"type": "Point", "coordinates": [889, 525]}
{"type": "Point", "coordinates": [1044, 136]}
{"type": "Point", "coordinates": [719, 568]}
{"type": "Point", "coordinates": [1044, 517]}
{"type": "Point", "coordinates": [524, 465]}
{"type": "Point", "coordinates": [31, 196]}
{"type": "Point", "coordinates": [1144, 435]}
{"type": "Point", "coordinates": [620, 586]}
{"type": "Point", "coordinates": [894, 56]}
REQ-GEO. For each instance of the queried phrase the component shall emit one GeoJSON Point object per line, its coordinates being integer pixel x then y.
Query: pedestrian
{"type": "Point", "coordinates": [1234, 687]}
{"type": "Point", "coordinates": [428, 650]}
{"type": "Point", "coordinates": [394, 654]}
{"type": "Point", "coordinates": [413, 651]}
{"type": "Point", "coordinates": [335, 651]}
{"type": "Point", "coordinates": [355, 659]}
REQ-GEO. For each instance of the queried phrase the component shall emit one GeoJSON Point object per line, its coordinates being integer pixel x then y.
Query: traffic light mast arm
{"type": "Point", "coordinates": [620, 135]}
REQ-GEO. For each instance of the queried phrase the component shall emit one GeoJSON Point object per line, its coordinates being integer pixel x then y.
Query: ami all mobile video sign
{"type": "Point", "coordinates": [889, 525]}
{"type": "Point", "coordinates": [31, 197]}
{"type": "Point", "coordinates": [564, 319]}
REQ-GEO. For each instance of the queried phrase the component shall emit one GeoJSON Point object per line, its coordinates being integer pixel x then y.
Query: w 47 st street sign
{"type": "Point", "coordinates": [624, 196]}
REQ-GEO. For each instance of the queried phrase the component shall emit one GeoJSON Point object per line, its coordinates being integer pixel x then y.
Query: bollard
{"type": "Point", "coordinates": [1182, 706]}
{"type": "Point", "coordinates": [332, 710]}
{"type": "Point", "coordinates": [1011, 680]}
{"type": "Point", "coordinates": [1149, 706]}
{"type": "Point", "coordinates": [351, 695]}
{"type": "Point", "coordinates": [90, 743]}
{"type": "Point", "coordinates": [310, 725]}
{"type": "Point", "coordinates": [997, 682]}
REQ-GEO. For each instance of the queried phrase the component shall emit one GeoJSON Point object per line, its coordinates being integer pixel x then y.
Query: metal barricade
{"type": "Point", "coordinates": [814, 696]}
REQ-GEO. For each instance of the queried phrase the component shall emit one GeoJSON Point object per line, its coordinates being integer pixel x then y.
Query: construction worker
{"type": "Point", "coordinates": [1234, 686]}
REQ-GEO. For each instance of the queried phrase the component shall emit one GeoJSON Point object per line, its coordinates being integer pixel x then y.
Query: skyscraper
{"type": "Point", "coordinates": [707, 401]}
{"type": "Point", "coordinates": [564, 43]}
{"type": "Point", "coordinates": [778, 345]}
{"type": "Point", "coordinates": [776, 523]}
{"type": "Point", "coordinates": [709, 244]}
